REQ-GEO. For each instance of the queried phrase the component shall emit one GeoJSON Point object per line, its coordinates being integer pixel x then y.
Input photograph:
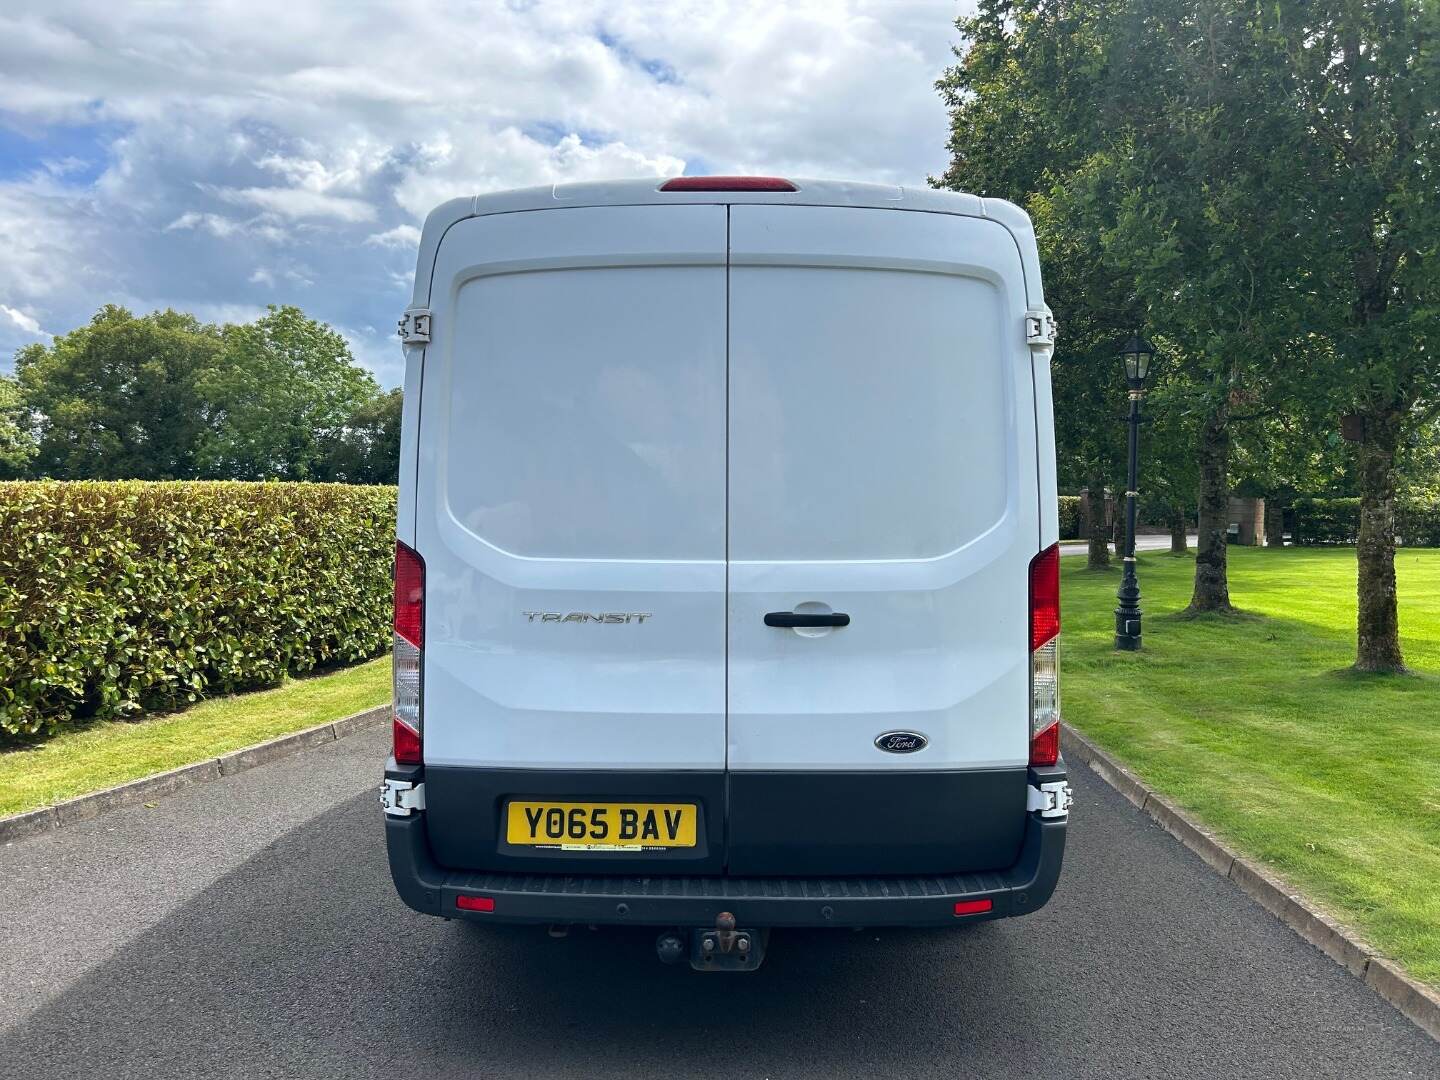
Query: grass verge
{"type": "Point", "coordinates": [1255, 725]}
{"type": "Point", "coordinates": [112, 752]}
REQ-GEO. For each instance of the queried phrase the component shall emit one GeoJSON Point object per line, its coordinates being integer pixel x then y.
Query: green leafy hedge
{"type": "Point", "coordinates": [1337, 521]}
{"type": "Point", "coordinates": [116, 597]}
{"type": "Point", "coordinates": [1325, 521]}
{"type": "Point", "coordinates": [1069, 517]}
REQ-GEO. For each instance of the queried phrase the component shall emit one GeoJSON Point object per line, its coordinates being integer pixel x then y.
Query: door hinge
{"type": "Point", "coordinates": [1053, 800]}
{"type": "Point", "coordinates": [415, 326]}
{"type": "Point", "coordinates": [401, 798]}
{"type": "Point", "coordinates": [1040, 328]}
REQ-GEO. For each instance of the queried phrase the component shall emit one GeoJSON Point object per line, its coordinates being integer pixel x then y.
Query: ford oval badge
{"type": "Point", "coordinates": [901, 742]}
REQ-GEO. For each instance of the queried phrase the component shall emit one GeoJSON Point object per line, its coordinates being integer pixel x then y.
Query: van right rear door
{"type": "Point", "coordinates": [881, 465]}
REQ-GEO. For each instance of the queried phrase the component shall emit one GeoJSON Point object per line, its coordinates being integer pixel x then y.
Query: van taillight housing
{"type": "Point", "coordinates": [1045, 657]}
{"type": "Point", "coordinates": [409, 651]}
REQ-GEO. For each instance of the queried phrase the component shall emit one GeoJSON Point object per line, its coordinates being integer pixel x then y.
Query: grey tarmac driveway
{"type": "Point", "coordinates": [248, 928]}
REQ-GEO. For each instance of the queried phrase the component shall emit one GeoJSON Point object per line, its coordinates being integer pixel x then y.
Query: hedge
{"type": "Point", "coordinates": [1069, 517]}
{"type": "Point", "coordinates": [1337, 521]}
{"type": "Point", "coordinates": [118, 597]}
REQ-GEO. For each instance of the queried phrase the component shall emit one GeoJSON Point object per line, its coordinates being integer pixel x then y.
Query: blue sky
{"type": "Point", "coordinates": [220, 157]}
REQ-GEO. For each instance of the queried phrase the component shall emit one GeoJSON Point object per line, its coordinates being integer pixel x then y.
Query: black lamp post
{"type": "Point", "coordinates": [1136, 354]}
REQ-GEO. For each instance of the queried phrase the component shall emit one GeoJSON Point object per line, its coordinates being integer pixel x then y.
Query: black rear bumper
{"type": "Point", "coordinates": [696, 900]}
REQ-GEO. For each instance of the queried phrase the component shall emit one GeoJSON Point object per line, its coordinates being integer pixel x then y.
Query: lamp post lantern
{"type": "Point", "coordinates": [1136, 354]}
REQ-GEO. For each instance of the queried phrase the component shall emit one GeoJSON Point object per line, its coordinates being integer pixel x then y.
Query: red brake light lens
{"type": "Point", "coordinates": [1044, 596]}
{"type": "Point", "coordinates": [728, 183]}
{"type": "Point", "coordinates": [409, 595]}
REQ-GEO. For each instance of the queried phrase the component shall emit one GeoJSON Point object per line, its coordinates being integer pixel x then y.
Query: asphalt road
{"type": "Point", "coordinates": [1145, 542]}
{"type": "Point", "coordinates": [248, 928]}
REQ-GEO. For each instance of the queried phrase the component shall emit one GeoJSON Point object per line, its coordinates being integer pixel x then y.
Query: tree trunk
{"type": "Point", "coordinates": [1378, 623]}
{"type": "Point", "coordinates": [1212, 587]}
{"type": "Point", "coordinates": [1099, 554]}
{"type": "Point", "coordinates": [1179, 543]}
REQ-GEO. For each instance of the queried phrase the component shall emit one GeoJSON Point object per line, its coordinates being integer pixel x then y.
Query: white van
{"type": "Point", "coordinates": [726, 576]}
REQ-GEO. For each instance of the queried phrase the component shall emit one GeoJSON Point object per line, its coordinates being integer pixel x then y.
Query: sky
{"type": "Point", "coordinates": [218, 157]}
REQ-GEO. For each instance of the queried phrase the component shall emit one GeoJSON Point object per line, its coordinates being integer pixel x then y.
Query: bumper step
{"type": "Point", "coordinates": [688, 900]}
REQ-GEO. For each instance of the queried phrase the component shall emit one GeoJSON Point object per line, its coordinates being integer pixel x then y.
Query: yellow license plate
{"type": "Point", "coordinates": [601, 826]}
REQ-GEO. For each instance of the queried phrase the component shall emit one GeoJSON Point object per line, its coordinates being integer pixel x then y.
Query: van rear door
{"type": "Point", "coordinates": [882, 465]}
{"type": "Point", "coordinates": [571, 514]}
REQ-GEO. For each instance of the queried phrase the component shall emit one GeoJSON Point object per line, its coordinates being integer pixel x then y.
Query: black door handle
{"type": "Point", "coordinates": [798, 618]}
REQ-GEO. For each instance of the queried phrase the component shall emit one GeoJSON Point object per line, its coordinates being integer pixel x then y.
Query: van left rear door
{"type": "Point", "coordinates": [571, 515]}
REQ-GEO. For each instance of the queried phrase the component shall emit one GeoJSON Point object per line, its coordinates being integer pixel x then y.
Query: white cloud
{"type": "Point", "coordinates": [25, 322]}
{"type": "Point", "coordinates": [404, 237]}
{"type": "Point", "coordinates": [215, 224]}
{"type": "Point", "coordinates": [277, 152]}
{"type": "Point", "coordinates": [297, 203]}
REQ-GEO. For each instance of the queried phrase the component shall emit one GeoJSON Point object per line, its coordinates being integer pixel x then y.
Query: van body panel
{"type": "Point", "coordinates": [409, 444]}
{"type": "Point", "coordinates": [867, 822]}
{"type": "Point", "coordinates": [882, 464]}
{"type": "Point", "coordinates": [571, 491]}
{"type": "Point", "coordinates": [1045, 449]}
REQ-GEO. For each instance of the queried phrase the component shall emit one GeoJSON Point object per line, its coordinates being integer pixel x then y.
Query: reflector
{"type": "Point", "coordinates": [475, 903]}
{"type": "Point", "coordinates": [973, 907]}
{"type": "Point", "coordinates": [405, 743]}
{"type": "Point", "coordinates": [1045, 746]}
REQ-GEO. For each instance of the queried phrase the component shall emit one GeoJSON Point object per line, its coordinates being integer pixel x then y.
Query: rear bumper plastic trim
{"type": "Point", "coordinates": [681, 900]}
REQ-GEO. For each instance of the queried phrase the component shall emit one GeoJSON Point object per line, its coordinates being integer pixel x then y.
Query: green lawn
{"type": "Point", "coordinates": [110, 753]}
{"type": "Point", "coordinates": [1252, 723]}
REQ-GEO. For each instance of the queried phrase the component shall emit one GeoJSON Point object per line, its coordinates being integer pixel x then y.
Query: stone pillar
{"type": "Point", "coordinates": [1249, 514]}
{"type": "Point", "coordinates": [1084, 513]}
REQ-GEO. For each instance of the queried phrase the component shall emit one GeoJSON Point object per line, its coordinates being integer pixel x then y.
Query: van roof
{"type": "Point", "coordinates": [647, 192]}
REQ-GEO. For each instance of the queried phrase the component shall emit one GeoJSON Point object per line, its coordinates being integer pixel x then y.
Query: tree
{"type": "Point", "coordinates": [17, 445]}
{"type": "Point", "coordinates": [117, 398]}
{"type": "Point", "coordinates": [368, 450]}
{"type": "Point", "coordinates": [1170, 191]}
{"type": "Point", "coordinates": [1173, 410]}
{"type": "Point", "coordinates": [281, 396]}
{"type": "Point", "coordinates": [1026, 101]}
{"type": "Point", "coordinates": [1366, 78]}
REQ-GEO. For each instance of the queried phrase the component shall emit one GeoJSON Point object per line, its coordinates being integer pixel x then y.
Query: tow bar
{"type": "Point", "coordinates": [722, 949]}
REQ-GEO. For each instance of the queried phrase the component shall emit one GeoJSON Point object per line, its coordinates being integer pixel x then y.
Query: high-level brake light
{"type": "Point", "coordinates": [1045, 657]}
{"type": "Point", "coordinates": [728, 183]}
{"type": "Point", "coordinates": [409, 649]}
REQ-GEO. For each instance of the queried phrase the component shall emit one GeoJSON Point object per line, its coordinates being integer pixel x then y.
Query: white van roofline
{"type": "Point", "coordinates": [647, 192]}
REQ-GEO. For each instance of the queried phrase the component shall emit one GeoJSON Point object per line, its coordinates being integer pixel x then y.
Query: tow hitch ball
{"type": "Point", "coordinates": [721, 949]}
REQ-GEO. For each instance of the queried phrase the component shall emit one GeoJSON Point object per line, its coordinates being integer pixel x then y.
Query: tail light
{"type": "Point", "coordinates": [728, 183]}
{"type": "Point", "coordinates": [409, 649]}
{"type": "Point", "coordinates": [1045, 657]}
